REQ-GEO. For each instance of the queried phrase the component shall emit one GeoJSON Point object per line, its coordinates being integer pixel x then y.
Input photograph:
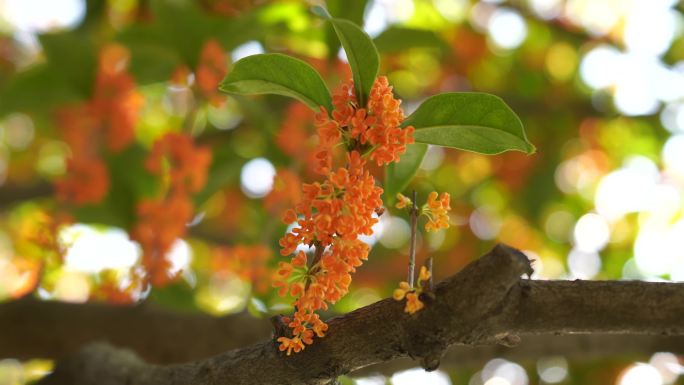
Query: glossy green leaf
{"type": "Point", "coordinates": [398, 175]}
{"type": "Point", "coordinates": [398, 39]}
{"type": "Point", "coordinates": [277, 74]}
{"type": "Point", "coordinates": [469, 121]}
{"type": "Point", "coordinates": [362, 56]}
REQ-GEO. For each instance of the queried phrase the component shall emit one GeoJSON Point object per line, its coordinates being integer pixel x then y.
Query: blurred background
{"type": "Point", "coordinates": [599, 86]}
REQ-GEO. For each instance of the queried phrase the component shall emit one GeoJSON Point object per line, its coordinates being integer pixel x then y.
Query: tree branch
{"type": "Point", "coordinates": [11, 194]}
{"type": "Point", "coordinates": [486, 303]}
{"type": "Point", "coordinates": [31, 328]}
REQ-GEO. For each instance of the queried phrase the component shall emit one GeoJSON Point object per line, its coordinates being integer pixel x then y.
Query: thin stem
{"type": "Point", "coordinates": [314, 267]}
{"type": "Point", "coordinates": [412, 250]}
{"type": "Point", "coordinates": [430, 282]}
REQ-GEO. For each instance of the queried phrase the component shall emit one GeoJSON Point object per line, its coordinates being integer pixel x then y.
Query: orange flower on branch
{"type": "Point", "coordinates": [437, 211]}
{"type": "Point", "coordinates": [286, 191]}
{"type": "Point", "coordinates": [211, 69]}
{"type": "Point", "coordinates": [247, 262]}
{"type": "Point", "coordinates": [86, 182]}
{"type": "Point", "coordinates": [108, 119]}
{"type": "Point", "coordinates": [412, 295]}
{"type": "Point", "coordinates": [375, 127]}
{"type": "Point", "coordinates": [333, 214]}
{"type": "Point", "coordinates": [186, 164]}
{"type": "Point", "coordinates": [162, 221]}
{"type": "Point", "coordinates": [115, 100]}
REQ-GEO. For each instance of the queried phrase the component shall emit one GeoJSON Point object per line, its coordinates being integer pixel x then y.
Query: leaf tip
{"type": "Point", "coordinates": [320, 11]}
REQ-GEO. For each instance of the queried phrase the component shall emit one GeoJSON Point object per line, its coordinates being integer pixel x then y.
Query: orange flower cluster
{"type": "Point", "coordinates": [108, 119]}
{"type": "Point", "coordinates": [437, 211]}
{"type": "Point", "coordinates": [211, 69]}
{"type": "Point", "coordinates": [286, 191]}
{"type": "Point", "coordinates": [115, 101]}
{"type": "Point", "coordinates": [161, 221]}
{"type": "Point", "coordinates": [87, 181]}
{"type": "Point", "coordinates": [294, 136]}
{"type": "Point", "coordinates": [332, 215]}
{"type": "Point", "coordinates": [187, 164]}
{"type": "Point", "coordinates": [112, 291]}
{"type": "Point", "coordinates": [413, 302]}
{"type": "Point", "coordinates": [375, 128]}
{"type": "Point", "coordinates": [247, 262]}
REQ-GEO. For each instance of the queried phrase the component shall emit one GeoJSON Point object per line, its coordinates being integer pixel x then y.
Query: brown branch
{"type": "Point", "coordinates": [156, 337]}
{"type": "Point", "coordinates": [486, 303]}
{"type": "Point", "coordinates": [575, 347]}
{"type": "Point", "coordinates": [44, 329]}
{"type": "Point", "coordinates": [12, 194]}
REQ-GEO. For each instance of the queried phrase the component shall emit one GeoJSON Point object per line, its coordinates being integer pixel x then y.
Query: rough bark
{"type": "Point", "coordinates": [55, 330]}
{"type": "Point", "coordinates": [486, 303]}
{"type": "Point", "coordinates": [45, 329]}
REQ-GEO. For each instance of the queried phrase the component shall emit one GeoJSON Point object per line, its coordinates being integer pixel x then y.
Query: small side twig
{"type": "Point", "coordinates": [412, 250]}
{"type": "Point", "coordinates": [430, 283]}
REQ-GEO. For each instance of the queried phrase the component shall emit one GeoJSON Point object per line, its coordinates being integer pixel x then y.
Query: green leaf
{"type": "Point", "coordinates": [321, 12]}
{"type": "Point", "coordinates": [19, 93]}
{"type": "Point", "coordinates": [152, 63]}
{"type": "Point", "coordinates": [278, 74]}
{"type": "Point", "coordinates": [398, 39]}
{"type": "Point", "coordinates": [74, 56]}
{"type": "Point", "coordinates": [342, 9]}
{"type": "Point", "coordinates": [362, 56]}
{"type": "Point", "coordinates": [398, 175]}
{"type": "Point", "coordinates": [469, 121]}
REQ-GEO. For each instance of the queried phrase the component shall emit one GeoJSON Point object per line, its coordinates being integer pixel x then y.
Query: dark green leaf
{"type": "Point", "coordinates": [73, 55]}
{"type": "Point", "coordinates": [277, 74]}
{"type": "Point", "coordinates": [21, 93]}
{"type": "Point", "coordinates": [342, 9]}
{"type": "Point", "coordinates": [361, 54]}
{"type": "Point", "coordinates": [398, 175]}
{"type": "Point", "coordinates": [469, 121]}
{"type": "Point", "coordinates": [397, 39]}
{"type": "Point", "coordinates": [152, 63]}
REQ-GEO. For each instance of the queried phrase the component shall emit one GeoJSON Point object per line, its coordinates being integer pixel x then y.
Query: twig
{"type": "Point", "coordinates": [412, 251]}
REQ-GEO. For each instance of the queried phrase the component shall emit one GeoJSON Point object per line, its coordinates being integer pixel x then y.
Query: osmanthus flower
{"type": "Point", "coordinates": [162, 220]}
{"type": "Point", "coordinates": [286, 191]}
{"type": "Point", "coordinates": [185, 163]}
{"type": "Point", "coordinates": [86, 182]}
{"type": "Point", "coordinates": [374, 128]}
{"type": "Point", "coordinates": [436, 209]}
{"type": "Point", "coordinates": [331, 215]}
{"type": "Point", "coordinates": [160, 223]}
{"type": "Point", "coordinates": [248, 262]}
{"type": "Point", "coordinates": [116, 102]}
{"type": "Point", "coordinates": [412, 295]}
{"type": "Point", "coordinates": [210, 70]}
{"type": "Point", "coordinates": [107, 120]}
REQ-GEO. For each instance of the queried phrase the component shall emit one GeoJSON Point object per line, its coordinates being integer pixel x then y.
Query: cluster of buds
{"type": "Point", "coordinates": [436, 209]}
{"type": "Point", "coordinates": [412, 295]}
